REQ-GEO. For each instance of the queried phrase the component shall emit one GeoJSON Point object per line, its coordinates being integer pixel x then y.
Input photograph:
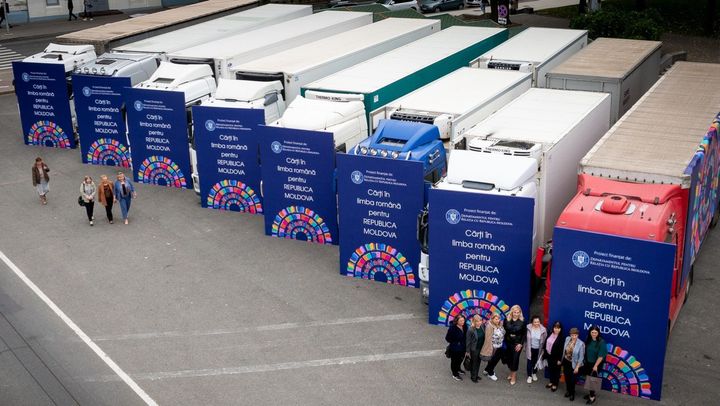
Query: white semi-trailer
{"type": "Point", "coordinates": [457, 101]}
{"type": "Point", "coordinates": [536, 50]}
{"type": "Point", "coordinates": [529, 148]}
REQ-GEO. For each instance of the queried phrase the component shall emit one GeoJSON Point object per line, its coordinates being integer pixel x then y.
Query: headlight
{"type": "Point", "coordinates": [94, 70]}
{"type": "Point", "coordinates": [363, 150]}
{"type": "Point", "coordinates": [395, 154]}
{"type": "Point", "coordinates": [86, 69]}
{"type": "Point", "coordinates": [102, 71]}
{"type": "Point", "coordinates": [373, 151]}
{"type": "Point", "coordinates": [383, 153]}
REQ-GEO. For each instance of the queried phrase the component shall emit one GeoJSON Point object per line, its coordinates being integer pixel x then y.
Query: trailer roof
{"type": "Point", "coordinates": [119, 30]}
{"type": "Point", "coordinates": [305, 57]}
{"type": "Point", "coordinates": [539, 115]}
{"type": "Point", "coordinates": [232, 24]}
{"type": "Point", "coordinates": [376, 73]}
{"type": "Point", "coordinates": [610, 58]}
{"type": "Point", "coordinates": [656, 140]}
{"type": "Point", "coordinates": [535, 44]}
{"type": "Point", "coordinates": [278, 35]}
{"type": "Point", "coordinates": [461, 91]}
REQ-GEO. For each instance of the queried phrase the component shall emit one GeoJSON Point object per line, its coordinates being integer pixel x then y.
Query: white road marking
{"type": "Point", "coordinates": [84, 337]}
{"type": "Point", "coordinates": [271, 327]}
{"type": "Point", "coordinates": [194, 373]}
{"type": "Point", "coordinates": [7, 56]}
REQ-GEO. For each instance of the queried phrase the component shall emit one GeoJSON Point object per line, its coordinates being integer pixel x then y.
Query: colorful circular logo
{"type": "Point", "coordinates": [138, 105]}
{"type": "Point", "coordinates": [581, 259]}
{"type": "Point", "coordinates": [357, 177]}
{"type": "Point", "coordinates": [210, 125]}
{"type": "Point", "coordinates": [301, 223]}
{"type": "Point", "coordinates": [381, 263]}
{"type": "Point", "coordinates": [452, 216]}
{"type": "Point", "coordinates": [161, 171]}
{"type": "Point", "coordinates": [107, 151]}
{"type": "Point", "coordinates": [625, 374]}
{"type": "Point", "coordinates": [276, 147]}
{"type": "Point", "coordinates": [47, 134]}
{"type": "Point", "coordinates": [471, 302]}
{"type": "Point", "coordinates": [86, 91]}
{"type": "Point", "coordinates": [233, 195]}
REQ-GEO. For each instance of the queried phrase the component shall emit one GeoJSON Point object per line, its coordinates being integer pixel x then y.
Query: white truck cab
{"type": "Point", "coordinates": [243, 94]}
{"type": "Point", "coordinates": [137, 66]}
{"type": "Point", "coordinates": [346, 120]}
{"type": "Point", "coordinates": [195, 81]}
{"type": "Point", "coordinates": [71, 56]}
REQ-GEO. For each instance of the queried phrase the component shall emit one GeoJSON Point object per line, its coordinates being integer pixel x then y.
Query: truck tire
{"type": "Point", "coordinates": [461, 6]}
{"type": "Point", "coordinates": [715, 217]}
{"type": "Point", "coordinates": [689, 283]}
{"type": "Point", "coordinates": [436, 10]}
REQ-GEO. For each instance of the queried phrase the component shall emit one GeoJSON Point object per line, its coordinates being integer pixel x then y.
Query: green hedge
{"type": "Point", "coordinates": [616, 23]}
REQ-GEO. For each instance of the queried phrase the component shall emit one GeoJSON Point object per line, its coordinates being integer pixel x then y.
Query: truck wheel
{"type": "Point", "coordinates": [689, 283]}
{"type": "Point", "coordinates": [715, 217]}
{"type": "Point", "coordinates": [436, 10]}
{"type": "Point", "coordinates": [461, 6]}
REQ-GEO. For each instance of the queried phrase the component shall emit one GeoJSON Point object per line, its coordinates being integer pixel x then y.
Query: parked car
{"type": "Point", "coordinates": [435, 6]}
{"type": "Point", "coordinates": [395, 5]}
{"type": "Point", "coordinates": [476, 3]}
{"type": "Point", "coordinates": [349, 3]}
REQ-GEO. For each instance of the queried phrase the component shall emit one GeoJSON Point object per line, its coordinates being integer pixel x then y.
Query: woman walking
{"type": "Point", "coordinates": [475, 338]}
{"type": "Point", "coordinates": [124, 193]}
{"type": "Point", "coordinates": [536, 336]}
{"type": "Point", "coordinates": [573, 355]}
{"type": "Point", "coordinates": [595, 352]}
{"type": "Point", "coordinates": [515, 332]}
{"type": "Point", "coordinates": [492, 349]}
{"type": "Point", "coordinates": [87, 192]}
{"type": "Point", "coordinates": [553, 355]}
{"type": "Point", "coordinates": [41, 179]}
{"type": "Point", "coordinates": [455, 337]}
{"type": "Point", "coordinates": [106, 196]}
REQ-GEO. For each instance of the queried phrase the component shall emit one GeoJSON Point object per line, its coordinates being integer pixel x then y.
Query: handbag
{"type": "Point", "coordinates": [81, 202]}
{"type": "Point", "coordinates": [541, 364]}
{"type": "Point", "coordinates": [593, 383]}
{"type": "Point", "coordinates": [447, 351]}
{"type": "Point", "coordinates": [467, 363]}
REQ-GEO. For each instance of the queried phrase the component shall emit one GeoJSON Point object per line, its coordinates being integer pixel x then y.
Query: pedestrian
{"type": "Point", "coordinates": [515, 332]}
{"type": "Point", "coordinates": [595, 352]}
{"type": "Point", "coordinates": [492, 349]}
{"type": "Point", "coordinates": [124, 193]}
{"type": "Point", "coordinates": [70, 7]}
{"type": "Point", "coordinates": [483, 4]}
{"type": "Point", "coordinates": [5, 14]}
{"type": "Point", "coordinates": [553, 355]}
{"type": "Point", "coordinates": [88, 190]}
{"type": "Point", "coordinates": [106, 196]}
{"type": "Point", "coordinates": [87, 11]}
{"type": "Point", "coordinates": [455, 337]}
{"type": "Point", "coordinates": [475, 338]}
{"type": "Point", "coordinates": [573, 356]}
{"type": "Point", "coordinates": [535, 346]}
{"type": "Point", "coordinates": [41, 179]}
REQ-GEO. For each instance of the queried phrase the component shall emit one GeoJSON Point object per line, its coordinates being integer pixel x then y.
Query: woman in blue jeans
{"type": "Point", "coordinates": [124, 193]}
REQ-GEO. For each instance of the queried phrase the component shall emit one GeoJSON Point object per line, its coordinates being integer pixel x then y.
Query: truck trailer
{"type": "Point", "coordinates": [527, 149]}
{"type": "Point", "coordinates": [299, 66]}
{"type": "Point", "coordinates": [224, 54]}
{"type": "Point", "coordinates": [662, 189]}
{"type": "Point", "coordinates": [536, 50]}
{"type": "Point", "coordinates": [341, 103]}
{"type": "Point", "coordinates": [625, 68]}
{"type": "Point", "coordinates": [457, 101]}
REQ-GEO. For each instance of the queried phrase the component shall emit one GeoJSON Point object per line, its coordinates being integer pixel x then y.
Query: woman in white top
{"type": "Point", "coordinates": [536, 336]}
{"type": "Point", "coordinates": [88, 190]}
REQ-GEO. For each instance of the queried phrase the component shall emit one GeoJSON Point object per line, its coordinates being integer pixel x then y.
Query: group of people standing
{"type": "Point", "coordinates": [87, 10]}
{"type": "Point", "coordinates": [106, 192]}
{"type": "Point", "coordinates": [492, 341]}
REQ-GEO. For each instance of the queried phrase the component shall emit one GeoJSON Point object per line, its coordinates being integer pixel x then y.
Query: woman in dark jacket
{"type": "Point", "coordinates": [595, 352]}
{"type": "Point", "coordinates": [41, 179]}
{"type": "Point", "coordinates": [475, 338]}
{"type": "Point", "coordinates": [456, 338]}
{"type": "Point", "coordinates": [553, 355]}
{"type": "Point", "coordinates": [515, 332]}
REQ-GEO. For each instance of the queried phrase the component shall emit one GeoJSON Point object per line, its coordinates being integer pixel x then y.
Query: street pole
{"type": "Point", "coordinates": [7, 17]}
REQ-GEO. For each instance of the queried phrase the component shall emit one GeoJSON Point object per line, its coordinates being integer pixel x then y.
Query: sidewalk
{"type": "Point", "coordinates": [53, 28]}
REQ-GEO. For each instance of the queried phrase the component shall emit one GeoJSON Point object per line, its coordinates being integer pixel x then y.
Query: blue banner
{"type": "Point", "coordinates": [379, 201]}
{"type": "Point", "coordinates": [227, 157]}
{"type": "Point", "coordinates": [98, 105]}
{"type": "Point", "coordinates": [480, 248]}
{"type": "Point", "coordinates": [44, 103]}
{"type": "Point", "coordinates": [298, 184]}
{"type": "Point", "coordinates": [157, 130]}
{"type": "Point", "coordinates": [622, 285]}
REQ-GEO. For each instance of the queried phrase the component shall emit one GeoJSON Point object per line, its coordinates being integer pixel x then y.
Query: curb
{"type": "Point", "coordinates": [10, 38]}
